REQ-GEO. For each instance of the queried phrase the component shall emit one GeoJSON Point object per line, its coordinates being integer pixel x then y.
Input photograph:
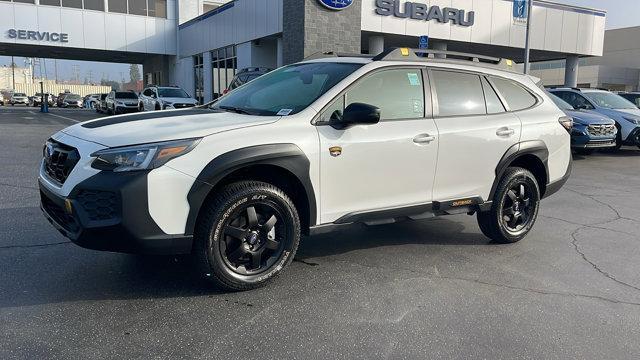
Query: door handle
{"type": "Point", "coordinates": [505, 131]}
{"type": "Point", "coordinates": [423, 139]}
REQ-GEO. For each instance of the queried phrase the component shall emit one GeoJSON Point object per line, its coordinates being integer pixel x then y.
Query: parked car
{"type": "Point", "coordinates": [244, 76]}
{"type": "Point", "coordinates": [19, 98]}
{"type": "Point", "coordinates": [120, 102]}
{"type": "Point", "coordinates": [60, 98]}
{"type": "Point", "coordinates": [1, 99]}
{"type": "Point", "coordinates": [236, 182]}
{"type": "Point", "coordinates": [36, 100]}
{"type": "Point", "coordinates": [101, 103]}
{"type": "Point", "coordinates": [91, 100]}
{"type": "Point", "coordinates": [165, 98]}
{"type": "Point", "coordinates": [634, 97]}
{"type": "Point", "coordinates": [590, 130]}
{"type": "Point", "coordinates": [622, 111]}
{"type": "Point", "coordinates": [72, 100]}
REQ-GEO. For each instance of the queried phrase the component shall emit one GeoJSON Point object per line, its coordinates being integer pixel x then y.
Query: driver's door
{"type": "Point", "coordinates": [372, 168]}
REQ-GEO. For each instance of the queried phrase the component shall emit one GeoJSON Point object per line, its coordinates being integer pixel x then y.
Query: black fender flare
{"type": "Point", "coordinates": [533, 147]}
{"type": "Point", "coordinates": [286, 156]}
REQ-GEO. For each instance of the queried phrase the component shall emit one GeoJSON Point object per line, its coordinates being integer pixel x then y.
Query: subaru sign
{"type": "Point", "coordinates": [336, 4]}
{"type": "Point", "coordinates": [424, 12]}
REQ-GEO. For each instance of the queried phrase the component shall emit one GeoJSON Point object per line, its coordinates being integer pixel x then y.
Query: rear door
{"type": "Point", "coordinates": [475, 131]}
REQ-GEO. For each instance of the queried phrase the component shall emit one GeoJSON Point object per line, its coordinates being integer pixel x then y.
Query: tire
{"type": "Point", "coordinates": [494, 223]}
{"type": "Point", "coordinates": [237, 251]}
{"type": "Point", "coordinates": [618, 139]}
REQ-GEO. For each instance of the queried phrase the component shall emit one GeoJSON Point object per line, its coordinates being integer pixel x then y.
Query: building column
{"type": "Point", "coordinates": [376, 44]}
{"type": "Point", "coordinates": [279, 52]}
{"type": "Point", "coordinates": [439, 45]}
{"type": "Point", "coordinates": [207, 76]}
{"type": "Point", "coordinates": [571, 71]}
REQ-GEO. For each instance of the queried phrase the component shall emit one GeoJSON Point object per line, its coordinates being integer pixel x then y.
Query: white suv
{"type": "Point", "coordinates": [165, 98]}
{"type": "Point", "coordinates": [311, 146]}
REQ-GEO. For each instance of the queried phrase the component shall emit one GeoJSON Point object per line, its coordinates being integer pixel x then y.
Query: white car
{"type": "Point", "coordinates": [165, 98]}
{"type": "Point", "coordinates": [1, 99]}
{"type": "Point", "coordinates": [308, 147]}
{"type": "Point", "coordinates": [19, 98]}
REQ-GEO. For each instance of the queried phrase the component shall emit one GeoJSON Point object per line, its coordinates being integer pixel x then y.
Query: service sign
{"type": "Point", "coordinates": [37, 35]}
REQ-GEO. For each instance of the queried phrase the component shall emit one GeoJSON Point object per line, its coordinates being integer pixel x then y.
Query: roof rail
{"type": "Point", "coordinates": [407, 54]}
{"type": "Point", "coordinates": [553, 87]}
{"type": "Point", "coordinates": [333, 54]}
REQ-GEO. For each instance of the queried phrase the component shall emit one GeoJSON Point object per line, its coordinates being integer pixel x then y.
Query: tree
{"type": "Point", "coordinates": [115, 86]}
{"type": "Point", "coordinates": [134, 73]}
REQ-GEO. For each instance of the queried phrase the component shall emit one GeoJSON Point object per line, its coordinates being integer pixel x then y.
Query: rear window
{"type": "Point", "coordinates": [19, 94]}
{"type": "Point", "coordinates": [126, 95]}
{"type": "Point", "coordinates": [515, 95]}
{"type": "Point", "coordinates": [458, 94]}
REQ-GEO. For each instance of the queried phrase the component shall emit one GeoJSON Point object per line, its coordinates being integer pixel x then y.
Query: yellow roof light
{"type": "Point", "coordinates": [404, 51]}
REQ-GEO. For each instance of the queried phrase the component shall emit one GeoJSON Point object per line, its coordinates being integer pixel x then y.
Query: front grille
{"type": "Point", "coordinates": [59, 160]}
{"type": "Point", "coordinates": [99, 205]}
{"type": "Point", "coordinates": [181, 106]}
{"type": "Point", "coordinates": [601, 130]}
{"type": "Point", "coordinates": [59, 215]}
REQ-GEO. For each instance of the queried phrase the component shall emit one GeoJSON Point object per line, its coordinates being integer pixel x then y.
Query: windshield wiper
{"type": "Point", "coordinates": [234, 109]}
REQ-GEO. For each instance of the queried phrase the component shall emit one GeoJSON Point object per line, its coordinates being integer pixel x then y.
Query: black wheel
{"type": "Point", "coordinates": [618, 139]}
{"type": "Point", "coordinates": [584, 151]}
{"type": "Point", "coordinates": [158, 108]}
{"type": "Point", "coordinates": [246, 235]}
{"type": "Point", "coordinates": [515, 207]}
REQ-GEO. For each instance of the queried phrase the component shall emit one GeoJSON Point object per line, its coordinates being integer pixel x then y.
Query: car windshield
{"type": "Point", "coordinates": [72, 97]}
{"type": "Point", "coordinates": [287, 90]}
{"type": "Point", "coordinates": [609, 100]}
{"type": "Point", "coordinates": [19, 94]}
{"type": "Point", "coordinates": [172, 92]}
{"type": "Point", "coordinates": [563, 105]}
{"type": "Point", "coordinates": [126, 95]}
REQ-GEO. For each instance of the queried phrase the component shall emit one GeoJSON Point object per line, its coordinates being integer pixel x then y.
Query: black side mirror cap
{"type": "Point", "coordinates": [358, 114]}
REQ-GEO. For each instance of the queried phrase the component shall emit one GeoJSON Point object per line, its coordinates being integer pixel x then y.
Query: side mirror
{"type": "Point", "coordinates": [357, 114]}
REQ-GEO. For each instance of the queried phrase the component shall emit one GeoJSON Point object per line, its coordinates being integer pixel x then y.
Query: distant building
{"type": "Point", "coordinates": [23, 75]}
{"type": "Point", "coordinates": [618, 69]}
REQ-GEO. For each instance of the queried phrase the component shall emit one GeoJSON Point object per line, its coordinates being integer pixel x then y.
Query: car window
{"type": "Point", "coordinates": [301, 83]}
{"type": "Point", "coordinates": [634, 98]}
{"type": "Point", "coordinates": [126, 95]}
{"type": "Point", "coordinates": [458, 94]}
{"type": "Point", "coordinates": [494, 105]}
{"type": "Point", "coordinates": [514, 94]}
{"type": "Point", "coordinates": [398, 93]}
{"type": "Point", "coordinates": [574, 99]}
{"type": "Point", "coordinates": [148, 92]}
{"type": "Point", "coordinates": [172, 92]}
{"type": "Point", "coordinates": [609, 100]}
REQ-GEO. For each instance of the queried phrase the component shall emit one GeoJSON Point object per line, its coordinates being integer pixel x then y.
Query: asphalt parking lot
{"type": "Point", "coordinates": [429, 289]}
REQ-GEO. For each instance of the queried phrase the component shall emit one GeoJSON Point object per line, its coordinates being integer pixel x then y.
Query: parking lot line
{"type": "Point", "coordinates": [64, 117]}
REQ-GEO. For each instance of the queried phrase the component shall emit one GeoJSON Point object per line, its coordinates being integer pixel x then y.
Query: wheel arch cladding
{"type": "Point", "coordinates": [283, 165]}
{"type": "Point", "coordinates": [531, 155]}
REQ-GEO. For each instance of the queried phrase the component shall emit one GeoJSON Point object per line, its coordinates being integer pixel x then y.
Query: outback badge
{"type": "Point", "coordinates": [335, 151]}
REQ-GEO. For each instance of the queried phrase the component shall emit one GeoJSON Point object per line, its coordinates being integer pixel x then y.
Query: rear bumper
{"type": "Point", "coordinates": [109, 212]}
{"type": "Point", "coordinates": [555, 186]}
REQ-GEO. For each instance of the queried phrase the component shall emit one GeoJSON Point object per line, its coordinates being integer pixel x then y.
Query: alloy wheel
{"type": "Point", "coordinates": [517, 207]}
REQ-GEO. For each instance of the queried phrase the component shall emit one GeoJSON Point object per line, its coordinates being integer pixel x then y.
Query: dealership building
{"type": "Point", "coordinates": [200, 45]}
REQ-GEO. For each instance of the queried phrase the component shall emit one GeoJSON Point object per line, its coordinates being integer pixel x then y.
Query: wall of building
{"type": "Point", "coordinates": [554, 27]}
{"type": "Point", "coordinates": [51, 87]}
{"type": "Point", "coordinates": [90, 29]}
{"type": "Point", "coordinates": [237, 22]}
{"type": "Point", "coordinates": [311, 28]}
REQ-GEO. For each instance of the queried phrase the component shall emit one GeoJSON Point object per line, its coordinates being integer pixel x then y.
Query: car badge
{"type": "Point", "coordinates": [335, 151]}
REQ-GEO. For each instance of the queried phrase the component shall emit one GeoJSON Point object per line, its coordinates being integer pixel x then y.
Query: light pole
{"type": "Point", "coordinates": [527, 49]}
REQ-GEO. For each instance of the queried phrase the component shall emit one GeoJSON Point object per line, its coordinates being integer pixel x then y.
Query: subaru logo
{"type": "Point", "coordinates": [336, 4]}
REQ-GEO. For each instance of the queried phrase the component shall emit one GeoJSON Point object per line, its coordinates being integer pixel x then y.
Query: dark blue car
{"type": "Point", "coordinates": [590, 130]}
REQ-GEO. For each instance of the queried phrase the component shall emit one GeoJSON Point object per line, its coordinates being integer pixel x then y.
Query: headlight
{"type": "Point", "coordinates": [632, 120]}
{"type": "Point", "coordinates": [141, 157]}
{"type": "Point", "coordinates": [120, 103]}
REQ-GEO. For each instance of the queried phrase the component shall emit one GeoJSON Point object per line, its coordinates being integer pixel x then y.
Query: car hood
{"type": "Point", "coordinates": [179, 100]}
{"type": "Point", "coordinates": [623, 112]}
{"type": "Point", "coordinates": [586, 117]}
{"type": "Point", "coordinates": [159, 126]}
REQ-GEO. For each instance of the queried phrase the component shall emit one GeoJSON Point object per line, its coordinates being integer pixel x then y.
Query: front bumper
{"type": "Point", "coordinates": [109, 212]}
{"type": "Point", "coordinates": [127, 108]}
{"type": "Point", "coordinates": [582, 139]}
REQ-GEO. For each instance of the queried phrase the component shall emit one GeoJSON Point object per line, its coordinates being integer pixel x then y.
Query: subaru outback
{"type": "Point", "coordinates": [329, 141]}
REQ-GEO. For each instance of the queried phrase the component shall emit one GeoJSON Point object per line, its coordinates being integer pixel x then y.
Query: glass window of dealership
{"type": "Point", "coordinates": [153, 8]}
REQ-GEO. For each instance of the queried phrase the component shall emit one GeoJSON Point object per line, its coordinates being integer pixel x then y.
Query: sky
{"type": "Point", "coordinates": [620, 13]}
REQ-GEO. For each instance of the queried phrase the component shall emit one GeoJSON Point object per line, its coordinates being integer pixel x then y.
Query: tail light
{"type": "Point", "coordinates": [566, 122]}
